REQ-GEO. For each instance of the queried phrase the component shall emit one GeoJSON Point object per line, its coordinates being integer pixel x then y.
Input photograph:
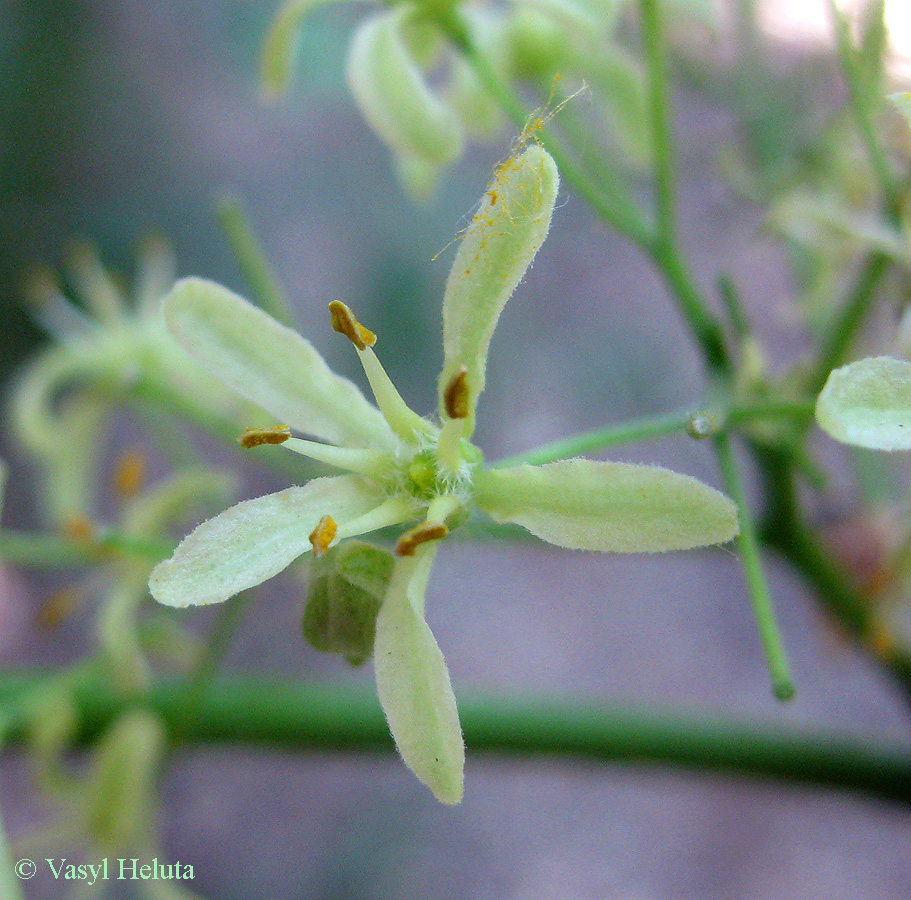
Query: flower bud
{"type": "Point", "coordinates": [394, 97]}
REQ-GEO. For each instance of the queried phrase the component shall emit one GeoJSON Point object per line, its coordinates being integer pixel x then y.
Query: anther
{"type": "Point", "coordinates": [420, 534]}
{"type": "Point", "coordinates": [344, 322]}
{"type": "Point", "coordinates": [256, 437]}
{"type": "Point", "coordinates": [323, 535]}
{"type": "Point", "coordinates": [456, 396]}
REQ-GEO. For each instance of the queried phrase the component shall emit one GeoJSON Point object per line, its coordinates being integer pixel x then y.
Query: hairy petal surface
{"type": "Point", "coordinates": [254, 540]}
{"type": "Point", "coordinates": [413, 683]}
{"type": "Point", "coordinates": [394, 97]}
{"type": "Point", "coordinates": [868, 403]}
{"type": "Point", "coordinates": [270, 365]}
{"type": "Point", "coordinates": [588, 505]}
{"type": "Point", "coordinates": [499, 245]}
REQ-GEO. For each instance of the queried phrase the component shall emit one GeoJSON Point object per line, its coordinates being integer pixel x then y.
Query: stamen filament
{"type": "Point", "coordinates": [401, 418]}
{"type": "Point", "coordinates": [448, 451]}
{"type": "Point", "coordinates": [351, 459]}
{"type": "Point", "coordinates": [393, 511]}
{"type": "Point", "coordinates": [441, 508]}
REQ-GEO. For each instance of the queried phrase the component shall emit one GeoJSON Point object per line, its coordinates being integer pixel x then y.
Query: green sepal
{"type": "Point", "coordinates": [347, 586]}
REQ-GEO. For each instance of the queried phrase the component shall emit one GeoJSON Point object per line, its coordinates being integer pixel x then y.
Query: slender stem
{"type": "Point", "coordinates": [733, 305]}
{"type": "Point", "coordinates": [842, 328]}
{"type": "Point", "coordinates": [295, 715]}
{"type": "Point", "coordinates": [235, 223]}
{"type": "Point", "coordinates": [601, 439]}
{"type": "Point", "coordinates": [21, 548]}
{"type": "Point", "coordinates": [659, 116]}
{"type": "Point", "coordinates": [645, 429]}
{"type": "Point", "coordinates": [748, 544]}
{"type": "Point", "coordinates": [227, 622]}
{"type": "Point", "coordinates": [860, 97]}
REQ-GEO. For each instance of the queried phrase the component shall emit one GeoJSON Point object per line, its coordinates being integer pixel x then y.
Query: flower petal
{"type": "Point", "coordinates": [277, 61]}
{"type": "Point", "coordinates": [393, 95]}
{"type": "Point", "coordinates": [868, 403]}
{"type": "Point", "coordinates": [413, 683]}
{"type": "Point", "coordinates": [505, 234]}
{"type": "Point", "coordinates": [254, 540]}
{"type": "Point", "coordinates": [587, 505]}
{"type": "Point", "coordinates": [270, 365]}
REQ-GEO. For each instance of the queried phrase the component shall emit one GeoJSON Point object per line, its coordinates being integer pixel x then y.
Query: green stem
{"type": "Point", "coordinates": [837, 338]}
{"type": "Point", "coordinates": [20, 548]}
{"type": "Point", "coordinates": [601, 439]}
{"type": "Point", "coordinates": [235, 223]}
{"type": "Point", "coordinates": [659, 116]}
{"type": "Point", "coordinates": [295, 716]}
{"type": "Point", "coordinates": [863, 114]}
{"type": "Point", "coordinates": [646, 429]}
{"type": "Point", "coordinates": [748, 544]}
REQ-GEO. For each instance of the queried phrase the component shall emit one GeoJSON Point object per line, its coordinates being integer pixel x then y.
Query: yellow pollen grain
{"type": "Point", "coordinates": [345, 322]}
{"type": "Point", "coordinates": [420, 534]}
{"type": "Point", "coordinates": [323, 535]}
{"type": "Point", "coordinates": [456, 395]}
{"type": "Point", "coordinates": [256, 437]}
{"type": "Point", "coordinates": [130, 474]}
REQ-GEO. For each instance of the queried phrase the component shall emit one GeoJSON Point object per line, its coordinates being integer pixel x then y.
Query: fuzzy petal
{"type": "Point", "coordinates": [587, 505]}
{"type": "Point", "coordinates": [270, 365]}
{"type": "Point", "coordinates": [868, 403]}
{"type": "Point", "coordinates": [413, 683]}
{"type": "Point", "coordinates": [394, 97]}
{"type": "Point", "coordinates": [254, 540]}
{"type": "Point", "coordinates": [505, 234]}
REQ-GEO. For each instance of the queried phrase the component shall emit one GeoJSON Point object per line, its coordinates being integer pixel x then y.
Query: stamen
{"type": "Point", "coordinates": [323, 535]}
{"type": "Point", "coordinates": [420, 534]}
{"type": "Point", "coordinates": [401, 418]}
{"type": "Point", "coordinates": [256, 437]}
{"type": "Point", "coordinates": [351, 459]}
{"type": "Point", "coordinates": [441, 508]}
{"type": "Point", "coordinates": [456, 397]}
{"type": "Point", "coordinates": [344, 322]}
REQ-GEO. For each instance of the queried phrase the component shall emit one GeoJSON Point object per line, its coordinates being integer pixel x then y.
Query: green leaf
{"type": "Point", "coordinates": [868, 403]}
{"type": "Point", "coordinates": [256, 539]}
{"type": "Point", "coordinates": [413, 683]}
{"type": "Point", "coordinates": [270, 365]}
{"type": "Point", "coordinates": [505, 233]}
{"type": "Point", "coordinates": [394, 97]}
{"type": "Point", "coordinates": [586, 505]}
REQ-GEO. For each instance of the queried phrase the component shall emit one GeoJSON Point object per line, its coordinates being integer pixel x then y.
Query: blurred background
{"type": "Point", "coordinates": [120, 119]}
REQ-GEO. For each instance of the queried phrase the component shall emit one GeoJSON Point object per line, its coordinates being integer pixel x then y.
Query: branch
{"type": "Point", "coordinates": [300, 716]}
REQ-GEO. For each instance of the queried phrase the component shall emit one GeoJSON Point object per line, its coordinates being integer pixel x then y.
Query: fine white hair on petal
{"type": "Point", "coordinates": [256, 539]}
{"type": "Point", "coordinates": [584, 504]}
{"type": "Point", "coordinates": [413, 684]}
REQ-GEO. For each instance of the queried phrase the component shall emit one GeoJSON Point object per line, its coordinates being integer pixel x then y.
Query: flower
{"type": "Point", "coordinates": [403, 468]}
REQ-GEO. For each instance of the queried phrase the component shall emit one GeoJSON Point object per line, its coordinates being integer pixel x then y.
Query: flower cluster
{"type": "Point", "coordinates": [403, 469]}
{"type": "Point", "coordinates": [424, 99]}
